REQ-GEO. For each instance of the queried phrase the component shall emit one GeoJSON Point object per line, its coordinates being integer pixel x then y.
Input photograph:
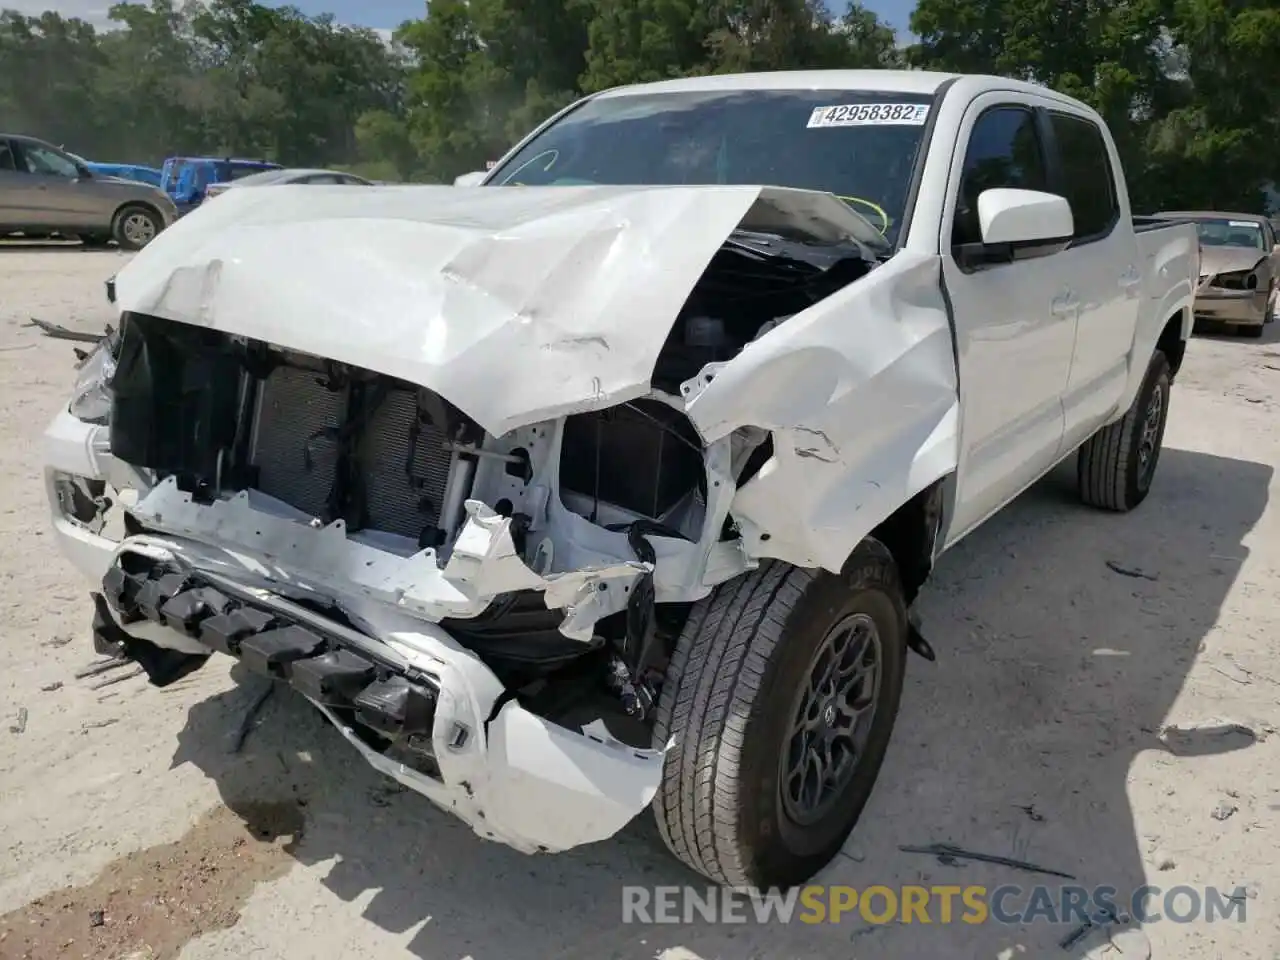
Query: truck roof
{"type": "Point", "coordinates": [886, 81]}
{"type": "Point", "coordinates": [898, 81]}
{"type": "Point", "coordinates": [891, 81]}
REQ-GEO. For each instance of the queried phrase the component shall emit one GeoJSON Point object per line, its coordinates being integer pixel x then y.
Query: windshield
{"type": "Point", "coordinates": [860, 145]}
{"type": "Point", "coordinates": [1231, 233]}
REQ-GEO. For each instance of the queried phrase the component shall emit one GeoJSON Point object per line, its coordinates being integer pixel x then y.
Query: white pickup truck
{"type": "Point", "coordinates": [616, 490]}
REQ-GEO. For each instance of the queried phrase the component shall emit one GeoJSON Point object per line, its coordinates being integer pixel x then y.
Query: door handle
{"type": "Point", "coordinates": [1065, 304]}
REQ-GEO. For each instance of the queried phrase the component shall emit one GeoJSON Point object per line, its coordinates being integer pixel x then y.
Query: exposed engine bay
{"type": "Point", "coordinates": [618, 517]}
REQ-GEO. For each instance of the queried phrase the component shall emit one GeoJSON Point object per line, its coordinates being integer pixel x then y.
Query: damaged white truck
{"type": "Point", "coordinates": [616, 490]}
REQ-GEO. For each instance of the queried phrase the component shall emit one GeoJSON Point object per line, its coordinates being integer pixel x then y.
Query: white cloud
{"type": "Point", "coordinates": [94, 11]}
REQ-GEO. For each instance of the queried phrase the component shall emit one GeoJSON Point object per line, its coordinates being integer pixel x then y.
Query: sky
{"type": "Point", "coordinates": [381, 14]}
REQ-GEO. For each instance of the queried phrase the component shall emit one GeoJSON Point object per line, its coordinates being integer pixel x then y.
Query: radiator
{"type": "Point", "coordinates": [403, 478]}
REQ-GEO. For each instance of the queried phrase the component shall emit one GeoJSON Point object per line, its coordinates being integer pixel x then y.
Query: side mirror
{"type": "Point", "coordinates": [473, 179]}
{"type": "Point", "coordinates": [1018, 217]}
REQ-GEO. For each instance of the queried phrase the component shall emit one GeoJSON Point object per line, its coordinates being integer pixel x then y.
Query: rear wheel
{"type": "Point", "coordinates": [1254, 331]}
{"type": "Point", "coordinates": [779, 703]}
{"type": "Point", "coordinates": [135, 226]}
{"type": "Point", "coordinates": [1116, 465]}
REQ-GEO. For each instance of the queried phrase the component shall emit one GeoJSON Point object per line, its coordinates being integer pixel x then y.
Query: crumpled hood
{"type": "Point", "coordinates": [516, 304]}
{"type": "Point", "coordinates": [1215, 260]}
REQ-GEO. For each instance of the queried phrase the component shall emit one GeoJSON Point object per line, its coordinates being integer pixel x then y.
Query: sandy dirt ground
{"type": "Point", "coordinates": [1068, 641]}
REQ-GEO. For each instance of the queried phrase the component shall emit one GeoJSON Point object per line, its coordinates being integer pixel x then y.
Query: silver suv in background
{"type": "Point", "coordinates": [45, 191]}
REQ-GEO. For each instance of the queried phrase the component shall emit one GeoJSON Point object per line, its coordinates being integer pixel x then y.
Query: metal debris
{"type": "Point", "coordinates": [1106, 915]}
{"type": "Point", "coordinates": [1130, 571]}
{"type": "Point", "coordinates": [102, 666]}
{"type": "Point", "coordinates": [50, 687]}
{"type": "Point", "coordinates": [251, 715]}
{"type": "Point", "coordinates": [948, 854]}
{"type": "Point", "coordinates": [1032, 813]}
{"type": "Point", "coordinates": [21, 725]}
{"type": "Point", "coordinates": [97, 918]}
{"type": "Point", "coordinates": [1233, 671]}
{"type": "Point", "coordinates": [59, 332]}
{"type": "Point", "coordinates": [1223, 811]}
{"type": "Point", "coordinates": [119, 678]}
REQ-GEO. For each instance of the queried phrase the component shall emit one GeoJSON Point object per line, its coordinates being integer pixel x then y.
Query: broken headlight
{"type": "Point", "coordinates": [1238, 280]}
{"type": "Point", "coordinates": [91, 395]}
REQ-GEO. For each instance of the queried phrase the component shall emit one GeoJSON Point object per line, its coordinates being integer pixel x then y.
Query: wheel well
{"type": "Point", "coordinates": [909, 534]}
{"type": "Point", "coordinates": [1171, 343]}
{"type": "Point", "coordinates": [142, 204]}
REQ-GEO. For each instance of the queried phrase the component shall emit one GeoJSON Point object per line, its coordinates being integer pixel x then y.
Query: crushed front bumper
{"type": "Point", "coordinates": [417, 705]}
{"type": "Point", "coordinates": [1241, 308]}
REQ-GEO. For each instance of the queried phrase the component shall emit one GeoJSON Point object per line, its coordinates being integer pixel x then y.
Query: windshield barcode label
{"type": "Point", "coordinates": [863, 114]}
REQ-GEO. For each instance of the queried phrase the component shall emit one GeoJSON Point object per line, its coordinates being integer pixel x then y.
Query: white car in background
{"type": "Point", "coordinates": [275, 178]}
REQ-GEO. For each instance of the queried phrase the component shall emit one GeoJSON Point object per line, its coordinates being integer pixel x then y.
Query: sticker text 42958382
{"type": "Point", "coordinates": [865, 114]}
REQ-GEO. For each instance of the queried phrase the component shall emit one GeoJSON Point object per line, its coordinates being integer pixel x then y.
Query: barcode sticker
{"type": "Point", "coordinates": [867, 114]}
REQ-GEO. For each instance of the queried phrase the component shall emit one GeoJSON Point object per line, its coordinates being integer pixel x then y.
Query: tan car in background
{"type": "Point", "coordinates": [1238, 268]}
{"type": "Point", "coordinates": [46, 192]}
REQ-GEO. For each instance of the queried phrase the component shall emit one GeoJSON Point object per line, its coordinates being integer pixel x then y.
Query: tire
{"type": "Point", "coordinates": [135, 226]}
{"type": "Point", "coordinates": [727, 706]}
{"type": "Point", "coordinates": [1115, 467]}
{"type": "Point", "coordinates": [1253, 332]}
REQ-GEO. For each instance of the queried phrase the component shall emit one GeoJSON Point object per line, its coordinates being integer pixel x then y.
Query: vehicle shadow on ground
{"type": "Point", "coordinates": [51, 246]}
{"type": "Point", "coordinates": [1055, 671]}
{"type": "Point", "coordinates": [1223, 333]}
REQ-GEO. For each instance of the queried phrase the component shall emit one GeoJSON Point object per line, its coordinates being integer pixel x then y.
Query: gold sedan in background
{"type": "Point", "coordinates": [1239, 257]}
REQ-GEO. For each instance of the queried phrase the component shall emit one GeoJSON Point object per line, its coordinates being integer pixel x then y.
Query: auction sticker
{"type": "Point", "coordinates": [867, 114]}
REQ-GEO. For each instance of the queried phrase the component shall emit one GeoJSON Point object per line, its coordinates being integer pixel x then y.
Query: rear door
{"type": "Point", "coordinates": [1102, 268]}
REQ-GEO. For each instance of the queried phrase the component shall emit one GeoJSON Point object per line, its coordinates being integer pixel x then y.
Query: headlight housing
{"type": "Point", "coordinates": [1237, 280]}
{"type": "Point", "coordinates": [91, 395]}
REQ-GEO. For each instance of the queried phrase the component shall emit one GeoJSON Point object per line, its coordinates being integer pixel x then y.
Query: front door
{"type": "Point", "coordinates": [52, 187]}
{"type": "Point", "coordinates": [1015, 321]}
{"type": "Point", "coordinates": [11, 202]}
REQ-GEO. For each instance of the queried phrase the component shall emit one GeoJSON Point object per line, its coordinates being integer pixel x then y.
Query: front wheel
{"type": "Point", "coordinates": [135, 226]}
{"type": "Point", "coordinates": [1116, 465]}
{"type": "Point", "coordinates": [778, 703]}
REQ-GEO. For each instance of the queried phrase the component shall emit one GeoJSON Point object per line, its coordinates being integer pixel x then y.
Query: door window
{"type": "Point", "coordinates": [1087, 179]}
{"type": "Point", "coordinates": [6, 157]}
{"type": "Point", "coordinates": [1004, 151]}
{"type": "Point", "coordinates": [44, 160]}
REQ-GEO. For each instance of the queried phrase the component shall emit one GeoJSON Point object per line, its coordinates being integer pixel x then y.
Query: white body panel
{"type": "Point", "coordinates": [524, 306]}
